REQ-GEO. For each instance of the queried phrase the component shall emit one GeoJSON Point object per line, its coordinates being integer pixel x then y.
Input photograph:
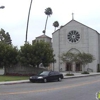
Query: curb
{"type": "Point", "coordinates": [27, 81]}
{"type": "Point", "coordinates": [14, 82]}
{"type": "Point", "coordinates": [78, 76]}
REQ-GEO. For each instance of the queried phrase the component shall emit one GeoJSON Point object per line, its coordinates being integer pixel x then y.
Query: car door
{"type": "Point", "coordinates": [52, 76]}
{"type": "Point", "coordinates": [56, 75]}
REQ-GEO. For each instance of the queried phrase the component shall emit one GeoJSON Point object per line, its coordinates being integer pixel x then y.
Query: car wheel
{"type": "Point", "coordinates": [31, 81]}
{"type": "Point", "coordinates": [45, 80]}
{"type": "Point", "coordinates": [59, 79]}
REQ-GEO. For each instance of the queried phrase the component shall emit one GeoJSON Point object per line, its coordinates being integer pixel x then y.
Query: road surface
{"type": "Point", "coordinates": [69, 89]}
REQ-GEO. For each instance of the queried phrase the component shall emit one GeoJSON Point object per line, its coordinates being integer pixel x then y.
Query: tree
{"type": "Point", "coordinates": [68, 57]}
{"type": "Point", "coordinates": [8, 55]}
{"type": "Point", "coordinates": [11, 54]}
{"type": "Point", "coordinates": [8, 39]}
{"type": "Point", "coordinates": [36, 54]}
{"type": "Point", "coordinates": [43, 53]}
{"type": "Point", "coordinates": [84, 59]}
{"type": "Point", "coordinates": [5, 37]}
{"type": "Point", "coordinates": [26, 55]}
{"type": "Point", "coordinates": [2, 53]}
{"type": "Point", "coordinates": [48, 12]}
{"type": "Point", "coordinates": [56, 24]}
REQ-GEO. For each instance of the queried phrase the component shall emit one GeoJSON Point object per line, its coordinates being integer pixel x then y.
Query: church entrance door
{"type": "Point", "coordinates": [78, 67]}
{"type": "Point", "coordinates": [68, 67]}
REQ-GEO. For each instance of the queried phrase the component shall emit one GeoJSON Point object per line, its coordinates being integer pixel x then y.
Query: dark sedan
{"type": "Point", "coordinates": [46, 76]}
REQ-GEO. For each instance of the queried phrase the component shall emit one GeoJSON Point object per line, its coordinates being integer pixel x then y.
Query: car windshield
{"type": "Point", "coordinates": [44, 73]}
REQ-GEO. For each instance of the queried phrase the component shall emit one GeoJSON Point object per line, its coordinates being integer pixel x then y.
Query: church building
{"type": "Point", "coordinates": [76, 37]}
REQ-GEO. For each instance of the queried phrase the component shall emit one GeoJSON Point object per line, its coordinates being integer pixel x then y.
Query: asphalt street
{"type": "Point", "coordinates": [69, 89]}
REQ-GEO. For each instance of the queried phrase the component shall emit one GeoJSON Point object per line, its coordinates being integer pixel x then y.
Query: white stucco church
{"type": "Point", "coordinates": [76, 37]}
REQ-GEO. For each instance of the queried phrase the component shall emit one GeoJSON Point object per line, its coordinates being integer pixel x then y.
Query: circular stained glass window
{"type": "Point", "coordinates": [73, 36]}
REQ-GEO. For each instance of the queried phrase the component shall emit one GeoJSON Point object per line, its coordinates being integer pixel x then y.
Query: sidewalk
{"type": "Point", "coordinates": [14, 82]}
{"type": "Point", "coordinates": [76, 75]}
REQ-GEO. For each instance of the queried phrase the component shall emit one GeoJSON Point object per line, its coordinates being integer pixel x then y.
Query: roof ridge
{"type": "Point", "coordinates": [77, 22]}
{"type": "Point", "coordinates": [43, 36]}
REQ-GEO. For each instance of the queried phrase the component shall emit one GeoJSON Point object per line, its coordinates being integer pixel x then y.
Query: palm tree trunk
{"type": "Point", "coordinates": [28, 21]}
{"type": "Point", "coordinates": [55, 29]}
{"type": "Point", "coordinates": [45, 25]}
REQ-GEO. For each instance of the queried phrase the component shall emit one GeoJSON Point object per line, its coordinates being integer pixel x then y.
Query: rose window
{"type": "Point", "coordinates": [73, 36]}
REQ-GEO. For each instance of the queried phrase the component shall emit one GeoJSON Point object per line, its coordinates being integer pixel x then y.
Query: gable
{"type": "Point", "coordinates": [75, 23]}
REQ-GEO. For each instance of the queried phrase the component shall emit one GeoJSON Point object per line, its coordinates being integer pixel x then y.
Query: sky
{"type": "Point", "coordinates": [13, 18]}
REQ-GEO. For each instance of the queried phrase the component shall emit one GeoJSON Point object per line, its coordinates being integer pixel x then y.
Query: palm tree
{"type": "Point", "coordinates": [56, 24]}
{"type": "Point", "coordinates": [28, 21]}
{"type": "Point", "coordinates": [48, 12]}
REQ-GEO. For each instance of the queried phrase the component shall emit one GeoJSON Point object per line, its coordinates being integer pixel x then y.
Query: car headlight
{"type": "Point", "coordinates": [30, 77]}
{"type": "Point", "coordinates": [40, 77]}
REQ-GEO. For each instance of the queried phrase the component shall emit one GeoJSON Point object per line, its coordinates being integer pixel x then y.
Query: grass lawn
{"type": "Point", "coordinates": [12, 78]}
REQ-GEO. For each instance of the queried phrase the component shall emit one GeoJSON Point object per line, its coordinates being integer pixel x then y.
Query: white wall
{"type": "Point", "coordinates": [56, 49]}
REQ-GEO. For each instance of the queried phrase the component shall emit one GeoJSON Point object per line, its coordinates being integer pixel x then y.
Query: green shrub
{"type": "Point", "coordinates": [85, 72]}
{"type": "Point", "coordinates": [69, 75]}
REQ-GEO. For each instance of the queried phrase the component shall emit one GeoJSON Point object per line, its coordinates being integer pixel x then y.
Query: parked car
{"type": "Point", "coordinates": [47, 76]}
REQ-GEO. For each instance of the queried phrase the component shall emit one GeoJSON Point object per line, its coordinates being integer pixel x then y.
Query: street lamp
{"type": "Point", "coordinates": [28, 21]}
{"type": "Point", "coordinates": [2, 7]}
